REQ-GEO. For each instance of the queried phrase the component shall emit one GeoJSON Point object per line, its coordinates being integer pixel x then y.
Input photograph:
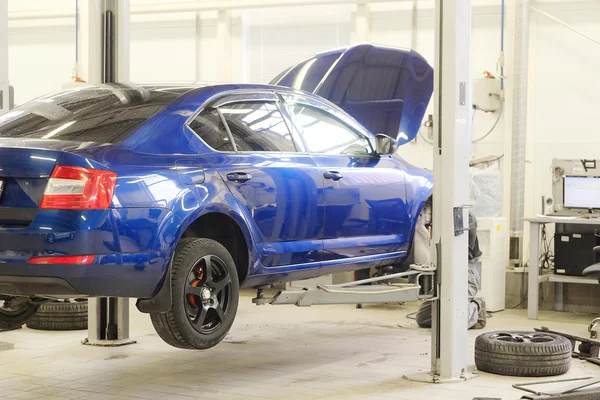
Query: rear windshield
{"type": "Point", "coordinates": [104, 114]}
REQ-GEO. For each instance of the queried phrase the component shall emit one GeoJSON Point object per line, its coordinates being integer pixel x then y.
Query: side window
{"type": "Point", "coordinates": [325, 134]}
{"type": "Point", "coordinates": [210, 128]}
{"type": "Point", "coordinates": [258, 126]}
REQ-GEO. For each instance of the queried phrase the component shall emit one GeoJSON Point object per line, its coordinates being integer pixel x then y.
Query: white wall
{"type": "Point", "coordinates": [185, 47]}
{"type": "Point", "coordinates": [391, 24]}
{"type": "Point", "coordinates": [254, 45]}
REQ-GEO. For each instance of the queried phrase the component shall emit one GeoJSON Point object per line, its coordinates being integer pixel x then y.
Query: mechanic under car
{"type": "Point", "coordinates": [476, 307]}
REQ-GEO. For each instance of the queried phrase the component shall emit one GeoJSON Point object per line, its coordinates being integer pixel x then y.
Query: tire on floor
{"type": "Point", "coordinates": [61, 316]}
{"type": "Point", "coordinates": [14, 312]}
{"type": "Point", "coordinates": [423, 316]}
{"type": "Point", "coordinates": [527, 354]}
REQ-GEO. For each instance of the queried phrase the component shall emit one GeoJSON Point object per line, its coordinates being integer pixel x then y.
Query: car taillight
{"type": "Point", "coordinates": [79, 188]}
{"type": "Point", "coordinates": [62, 260]}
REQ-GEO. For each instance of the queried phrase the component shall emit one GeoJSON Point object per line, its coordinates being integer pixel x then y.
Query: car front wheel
{"type": "Point", "coordinates": [205, 294]}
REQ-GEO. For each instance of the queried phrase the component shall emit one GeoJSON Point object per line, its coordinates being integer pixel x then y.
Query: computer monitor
{"type": "Point", "coordinates": [582, 192]}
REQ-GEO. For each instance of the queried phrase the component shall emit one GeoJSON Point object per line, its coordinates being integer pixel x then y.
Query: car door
{"type": "Point", "coordinates": [364, 193]}
{"type": "Point", "coordinates": [265, 167]}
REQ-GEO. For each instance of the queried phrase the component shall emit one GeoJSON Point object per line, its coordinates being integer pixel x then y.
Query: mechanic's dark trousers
{"type": "Point", "coordinates": [475, 303]}
{"type": "Point", "coordinates": [476, 312]}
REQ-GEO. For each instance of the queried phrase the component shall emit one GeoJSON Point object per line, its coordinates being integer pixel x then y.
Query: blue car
{"type": "Point", "coordinates": [178, 196]}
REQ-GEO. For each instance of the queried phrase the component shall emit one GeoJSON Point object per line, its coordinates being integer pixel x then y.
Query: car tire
{"type": "Point", "coordinates": [527, 354]}
{"type": "Point", "coordinates": [423, 316]}
{"type": "Point", "coordinates": [13, 318]}
{"type": "Point", "coordinates": [60, 316]}
{"type": "Point", "coordinates": [205, 295]}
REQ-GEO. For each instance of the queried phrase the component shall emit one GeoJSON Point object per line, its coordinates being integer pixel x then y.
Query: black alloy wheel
{"type": "Point", "coordinates": [205, 294]}
{"type": "Point", "coordinates": [208, 294]}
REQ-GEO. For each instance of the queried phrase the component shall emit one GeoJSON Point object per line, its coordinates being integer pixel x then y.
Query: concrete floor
{"type": "Point", "coordinates": [272, 352]}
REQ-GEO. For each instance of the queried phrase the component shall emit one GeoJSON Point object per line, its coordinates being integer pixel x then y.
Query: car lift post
{"type": "Point", "coordinates": [4, 88]}
{"type": "Point", "coordinates": [105, 37]}
{"type": "Point", "coordinates": [452, 145]}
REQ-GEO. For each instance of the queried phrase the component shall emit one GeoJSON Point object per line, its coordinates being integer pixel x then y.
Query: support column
{"type": "Point", "coordinates": [198, 41]}
{"type": "Point", "coordinates": [115, 51]}
{"type": "Point", "coordinates": [451, 179]}
{"type": "Point", "coordinates": [224, 46]}
{"type": "Point", "coordinates": [120, 8]}
{"type": "Point", "coordinates": [90, 41]}
{"type": "Point", "coordinates": [108, 322]}
{"type": "Point", "coordinates": [362, 24]}
{"type": "Point", "coordinates": [4, 87]}
{"type": "Point", "coordinates": [105, 33]}
{"type": "Point", "coordinates": [452, 145]}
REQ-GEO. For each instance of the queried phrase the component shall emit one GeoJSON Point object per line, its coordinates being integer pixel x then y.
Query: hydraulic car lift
{"type": "Point", "coordinates": [445, 284]}
{"type": "Point", "coordinates": [452, 145]}
{"type": "Point", "coordinates": [105, 50]}
{"type": "Point", "coordinates": [419, 286]}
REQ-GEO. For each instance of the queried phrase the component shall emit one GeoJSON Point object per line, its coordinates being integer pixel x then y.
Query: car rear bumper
{"type": "Point", "coordinates": [117, 275]}
{"type": "Point", "coordinates": [131, 249]}
{"type": "Point", "coordinates": [28, 285]}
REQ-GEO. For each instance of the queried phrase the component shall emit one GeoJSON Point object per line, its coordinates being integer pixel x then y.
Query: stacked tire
{"type": "Point", "coordinates": [64, 315]}
{"type": "Point", "coordinates": [528, 354]}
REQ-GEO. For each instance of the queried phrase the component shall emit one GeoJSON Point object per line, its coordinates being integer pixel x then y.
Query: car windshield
{"type": "Point", "coordinates": [104, 114]}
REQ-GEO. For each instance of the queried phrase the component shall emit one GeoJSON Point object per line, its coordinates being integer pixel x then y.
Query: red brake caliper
{"type": "Point", "coordinates": [191, 298]}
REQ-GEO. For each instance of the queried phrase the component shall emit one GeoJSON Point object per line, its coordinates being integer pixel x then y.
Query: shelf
{"type": "Point", "coordinates": [568, 279]}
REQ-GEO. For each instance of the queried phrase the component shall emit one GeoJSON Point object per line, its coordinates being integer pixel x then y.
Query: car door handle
{"type": "Point", "coordinates": [336, 176]}
{"type": "Point", "coordinates": [239, 177]}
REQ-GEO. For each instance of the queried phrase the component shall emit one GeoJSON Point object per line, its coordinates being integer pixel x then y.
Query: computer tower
{"type": "Point", "coordinates": [573, 252]}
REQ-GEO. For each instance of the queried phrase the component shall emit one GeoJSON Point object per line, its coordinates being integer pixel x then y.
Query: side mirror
{"type": "Point", "coordinates": [385, 144]}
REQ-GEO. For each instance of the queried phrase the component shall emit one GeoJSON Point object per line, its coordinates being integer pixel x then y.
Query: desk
{"type": "Point", "coordinates": [534, 279]}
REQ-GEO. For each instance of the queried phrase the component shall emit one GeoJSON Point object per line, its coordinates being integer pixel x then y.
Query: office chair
{"type": "Point", "coordinates": [593, 271]}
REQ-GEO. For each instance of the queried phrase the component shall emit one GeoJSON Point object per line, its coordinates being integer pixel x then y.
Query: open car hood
{"type": "Point", "coordinates": [386, 89]}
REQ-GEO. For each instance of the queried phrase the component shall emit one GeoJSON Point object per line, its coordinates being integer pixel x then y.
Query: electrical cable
{"type": "Point", "coordinates": [423, 136]}
{"type": "Point", "coordinates": [523, 294]}
{"type": "Point", "coordinates": [475, 109]}
{"type": "Point", "coordinates": [500, 112]}
{"type": "Point", "coordinates": [546, 255]}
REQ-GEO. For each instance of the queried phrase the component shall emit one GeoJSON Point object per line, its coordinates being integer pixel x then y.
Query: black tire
{"type": "Point", "coordinates": [423, 316]}
{"type": "Point", "coordinates": [13, 318]}
{"type": "Point", "coordinates": [60, 316]}
{"type": "Point", "coordinates": [528, 354]}
{"type": "Point", "coordinates": [194, 321]}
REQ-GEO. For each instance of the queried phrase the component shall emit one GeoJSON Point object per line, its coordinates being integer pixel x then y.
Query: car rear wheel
{"type": "Point", "coordinates": [205, 294]}
{"type": "Point", "coordinates": [15, 311]}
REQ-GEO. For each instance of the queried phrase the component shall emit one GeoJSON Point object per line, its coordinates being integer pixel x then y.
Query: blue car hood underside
{"type": "Point", "coordinates": [386, 89]}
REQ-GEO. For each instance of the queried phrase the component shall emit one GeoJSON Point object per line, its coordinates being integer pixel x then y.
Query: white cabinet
{"type": "Point", "coordinates": [492, 234]}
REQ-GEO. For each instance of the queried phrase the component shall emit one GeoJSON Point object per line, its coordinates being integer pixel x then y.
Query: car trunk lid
{"type": "Point", "coordinates": [25, 167]}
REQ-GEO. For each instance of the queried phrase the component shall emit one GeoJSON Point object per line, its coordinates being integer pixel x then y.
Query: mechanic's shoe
{"type": "Point", "coordinates": [481, 315]}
